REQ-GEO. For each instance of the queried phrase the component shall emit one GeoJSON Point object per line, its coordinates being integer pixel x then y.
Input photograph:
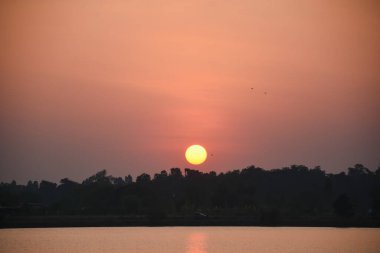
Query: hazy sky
{"type": "Point", "coordinates": [127, 85]}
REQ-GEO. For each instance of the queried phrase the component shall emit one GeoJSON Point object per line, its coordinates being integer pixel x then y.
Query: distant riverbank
{"type": "Point", "coordinates": [131, 221]}
{"type": "Point", "coordinates": [291, 196]}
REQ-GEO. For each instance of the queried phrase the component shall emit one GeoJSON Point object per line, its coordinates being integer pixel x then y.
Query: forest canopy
{"type": "Point", "coordinates": [278, 196]}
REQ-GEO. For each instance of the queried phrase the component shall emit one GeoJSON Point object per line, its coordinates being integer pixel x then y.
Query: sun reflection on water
{"type": "Point", "coordinates": [196, 243]}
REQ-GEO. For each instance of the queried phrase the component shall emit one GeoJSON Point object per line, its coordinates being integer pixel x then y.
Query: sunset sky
{"type": "Point", "coordinates": [127, 86]}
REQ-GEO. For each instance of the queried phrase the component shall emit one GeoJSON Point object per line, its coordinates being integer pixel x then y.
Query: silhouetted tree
{"type": "Point", "coordinates": [176, 172]}
{"type": "Point", "coordinates": [99, 177]}
{"type": "Point", "coordinates": [143, 178]}
{"type": "Point", "coordinates": [32, 186]}
{"type": "Point", "coordinates": [161, 175]}
{"type": "Point", "coordinates": [128, 179]}
{"type": "Point", "coordinates": [358, 170]}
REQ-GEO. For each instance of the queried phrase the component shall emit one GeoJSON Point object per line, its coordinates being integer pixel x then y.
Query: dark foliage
{"type": "Point", "coordinates": [268, 197]}
{"type": "Point", "coordinates": [342, 206]}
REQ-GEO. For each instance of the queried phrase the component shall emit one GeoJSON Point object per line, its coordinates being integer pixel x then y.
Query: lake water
{"type": "Point", "coordinates": [191, 240]}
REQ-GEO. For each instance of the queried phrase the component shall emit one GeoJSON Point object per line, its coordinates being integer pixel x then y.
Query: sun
{"type": "Point", "coordinates": [196, 154]}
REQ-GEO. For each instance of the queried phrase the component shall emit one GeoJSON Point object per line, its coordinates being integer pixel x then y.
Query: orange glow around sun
{"type": "Point", "coordinates": [196, 154]}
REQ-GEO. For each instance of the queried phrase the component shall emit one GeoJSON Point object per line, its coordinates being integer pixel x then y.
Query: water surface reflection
{"type": "Point", "coordinates": [196, 243]}
{"type": "Point", "coordinates": [190, 240]}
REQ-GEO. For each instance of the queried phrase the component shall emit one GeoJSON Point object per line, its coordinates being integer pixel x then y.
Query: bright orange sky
{"type": "Point", "coordinates": [127, 85]}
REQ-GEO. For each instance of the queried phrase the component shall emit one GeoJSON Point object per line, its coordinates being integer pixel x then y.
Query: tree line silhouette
{"type": "Point", "coordinates": [295, 195]}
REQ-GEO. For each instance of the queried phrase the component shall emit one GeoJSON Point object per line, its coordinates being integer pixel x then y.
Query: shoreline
{"type": "Point", "coordinates": [146, 221]}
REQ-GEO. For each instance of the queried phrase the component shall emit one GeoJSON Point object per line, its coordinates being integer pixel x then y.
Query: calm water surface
{"type": "Point", "coordinates": [191, 240]}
